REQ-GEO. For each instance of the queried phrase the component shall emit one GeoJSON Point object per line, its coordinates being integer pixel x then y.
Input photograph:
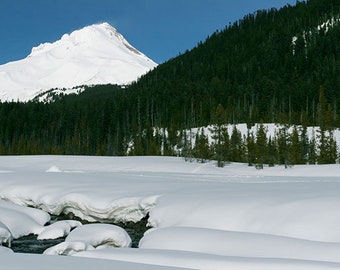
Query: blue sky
{"type": "Point", "coordinates": [161, 29]}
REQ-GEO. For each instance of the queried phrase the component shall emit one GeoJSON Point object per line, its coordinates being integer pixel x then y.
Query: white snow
{"type": "Point", "coordinates": [239, 244]}
{"type": "Point", "coordinates": [99, 235]}
{"type": "Point", "coordinates": [5, 250]}
{"type": "Point", "coordinates": [58, 229]}
{"type": "Point", "coordinates": [90, 237]}
{"type": "Point", "coordinates": [5, 234]}
{"type": "Point", "coordinates": [96, 54]}
{"type": "Point", "coordinates": [53, 169]}
{"type": "Point", "coordinates": [33, 262]}
{"type": "Point", "coordinates": [204, 217]}
{"type": "Point", "coordinates": [271, 130]}
{"type": "Point", "coordinates": [20, 221]}
{"type": "Point", "coordinates": [193, 260]}
{"type": "Point", "coordinates": [68, 248]}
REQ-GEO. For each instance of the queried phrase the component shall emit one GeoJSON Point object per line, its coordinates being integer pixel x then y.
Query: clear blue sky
{"type": "Point", "coordinates": [161, 29]}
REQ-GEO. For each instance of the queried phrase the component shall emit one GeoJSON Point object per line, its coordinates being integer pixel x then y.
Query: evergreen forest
{"type": "Point", "coordinates": [272, 66]}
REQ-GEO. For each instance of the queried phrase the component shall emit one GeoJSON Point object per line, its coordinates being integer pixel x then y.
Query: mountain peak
{"type": "Point", "coordinates": [88, 35]}
{"type": "Point", "coordinates": [95, 54]}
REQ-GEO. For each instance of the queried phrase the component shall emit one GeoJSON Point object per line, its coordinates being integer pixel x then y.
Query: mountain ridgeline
{"type": "Point", "coordinates": [277, 66]}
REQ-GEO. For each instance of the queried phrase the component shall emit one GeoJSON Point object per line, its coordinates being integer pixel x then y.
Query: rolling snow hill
{"type": "Point", "coordinates": [95, 54]}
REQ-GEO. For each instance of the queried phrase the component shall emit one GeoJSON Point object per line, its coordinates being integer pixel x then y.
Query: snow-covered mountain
{"type": "Point", "coordinates": [95, 54]}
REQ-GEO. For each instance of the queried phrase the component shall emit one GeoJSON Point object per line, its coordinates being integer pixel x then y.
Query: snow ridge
{"type": "Point", "coordinates": [96, 54]}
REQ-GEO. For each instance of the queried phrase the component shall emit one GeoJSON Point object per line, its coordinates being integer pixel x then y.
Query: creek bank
{"type": "Point", "coordinates": [30, 243]}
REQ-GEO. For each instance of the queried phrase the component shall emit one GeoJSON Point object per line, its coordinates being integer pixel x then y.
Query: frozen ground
{"type": "Point", "coordinates": [204, 217]}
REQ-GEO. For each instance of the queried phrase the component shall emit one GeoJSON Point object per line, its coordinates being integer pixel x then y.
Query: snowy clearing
{"type": "Point", "coordinates": [204, 217]}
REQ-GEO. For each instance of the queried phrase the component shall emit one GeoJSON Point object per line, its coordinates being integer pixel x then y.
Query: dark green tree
{"type": "Point", "coordinates": [251, 149]}
{"type": "Point", "coordinates": [218, 130]}
{"type": "Point", "coordinates": [261, 145]}
{"type": "Point", "coordinates": [237, 149]}
{"type": "Point", "coordinates": [295, 147]}
{"type": "Point", "coordinates": [201, 149]}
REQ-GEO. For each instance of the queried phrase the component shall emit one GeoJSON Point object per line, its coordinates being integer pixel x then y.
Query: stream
{"type": "Point", "coordinates": [30, 243]}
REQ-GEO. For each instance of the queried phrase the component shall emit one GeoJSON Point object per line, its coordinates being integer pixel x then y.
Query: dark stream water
{"type": "Point", "coordinates": [30, 244]}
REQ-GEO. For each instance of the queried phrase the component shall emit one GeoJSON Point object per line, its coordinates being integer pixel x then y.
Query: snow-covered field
{"type": "Point", "coordinates": [203, 217]}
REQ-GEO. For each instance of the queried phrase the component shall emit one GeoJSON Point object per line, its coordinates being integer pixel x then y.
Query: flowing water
{"type": "Point", "coordinates": [30, 244]}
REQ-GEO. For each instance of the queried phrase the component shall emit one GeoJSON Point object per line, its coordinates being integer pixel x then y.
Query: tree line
{"type": "Point", "coordinates": [85, 125]}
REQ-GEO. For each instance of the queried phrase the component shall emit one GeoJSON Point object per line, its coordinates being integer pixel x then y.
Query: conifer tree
{"type": "Point", "coordinates": [312, 155]}
{"type": "Point", "coordinates": [261, 145]}
{"type": "Point", "coordinates": [251, 149]}
{"type": "Point", "coordinates": [201, 149]}
{"type": "Point", "coordinates": [282, 145]}
{"type": "Point", "coordinates": [236, 146]}
{"type": "Point", "coordinates": [218, 130]}
{"type": "Point", "coordinates": [295, 149]}
{"type": "Point", "coordinates": [187, 152]}
{"type": "Point", "coordinates": [304, 143]}
{"type": "Point", "coordinates": [272, 152]}
{"type": "Point", "coordinates": [327, 145]}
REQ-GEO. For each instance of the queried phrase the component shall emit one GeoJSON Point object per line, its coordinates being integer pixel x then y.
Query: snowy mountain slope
{"type": "Point", "coordinates": [96, 54]}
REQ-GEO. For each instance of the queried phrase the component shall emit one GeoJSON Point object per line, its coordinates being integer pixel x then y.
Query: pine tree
{"type": "Point", "coordinates": [201, 149]}
{"type": "Point", "coordinates": [304, 144]}
{"type": "Point", "coordinates": [282, 145]}
{"type": "Point", "coordinates": [261, 145]}
{"type": "Point", "coordinates": [218, 130]}
{"type": "Point", "coordinates": [312, 155]}
{"type": "Point", "coordinates": [272, 152]}
{"type": "Point", "coordinates": [327, 145]}
{"type": "Point", "coordinates": [236, 146]}
{"type": "Point", "coordinates": [187, 152]}
{"type": "Point", "coordinates": [295, 149]}
{"type": "Point", "coordinates": [251, 149]}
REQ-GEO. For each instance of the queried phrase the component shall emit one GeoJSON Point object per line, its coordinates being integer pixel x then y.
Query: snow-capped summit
{"type": "Point", "coordinates": [96, 54]}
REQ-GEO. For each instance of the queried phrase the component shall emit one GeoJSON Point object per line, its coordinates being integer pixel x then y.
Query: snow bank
{"type": "Point", "coordinates": [89, 237]}
{"type": "Point", "coordinates": [58, 229]}
{"type": "Point", "coordinates": [20, 220]}
{"type": "Point", "coordinates": [68, 248]}
{"type": "Point", "coordinates": [4, 250]}
{"type": "Point", "coordinates": [303, 210]}
{"type": "Point", "coordinates": [100, 235]}
{"type": "Point", "coordinates": [32, 262]}
{"type": "Point", "coordinates": [5, 234]}
{"type": "Point", "coordinates": [53, 169]}
{"type": "Point", "coordinates": [239, 244]}
{"type": "Point", "coordinates": [192, 260]}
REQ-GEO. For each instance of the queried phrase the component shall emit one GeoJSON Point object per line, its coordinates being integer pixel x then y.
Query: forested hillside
{"type": "Point", "coordinates": [277, 66]}
{"type": "Point", "coordinates": [269, 65]}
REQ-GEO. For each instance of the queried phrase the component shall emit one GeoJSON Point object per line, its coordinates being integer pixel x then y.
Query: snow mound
{"type": "Point", "coordinates": [53, 169]}
{"type": "Point", "coordinates": [239, 244]}
{"type": "Point", "coordinates": [100, 236]}
{"type": "Point", "coordinates": [193, 260]}
{"type": "Point", "coordinates": [58, 229]}
{"type": "Point", "coordinates": [90, 237]}
{"type": "Point", "coordinates": [21, 220]}
{"type": "Point", "coordinates": [5, 234]}
{"type": "Point", "coordinates": [16, 261]}
{"type": "Point", "coordinates": [4, 250]}
{"type": "Point", "coordinates": [68, 248]}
